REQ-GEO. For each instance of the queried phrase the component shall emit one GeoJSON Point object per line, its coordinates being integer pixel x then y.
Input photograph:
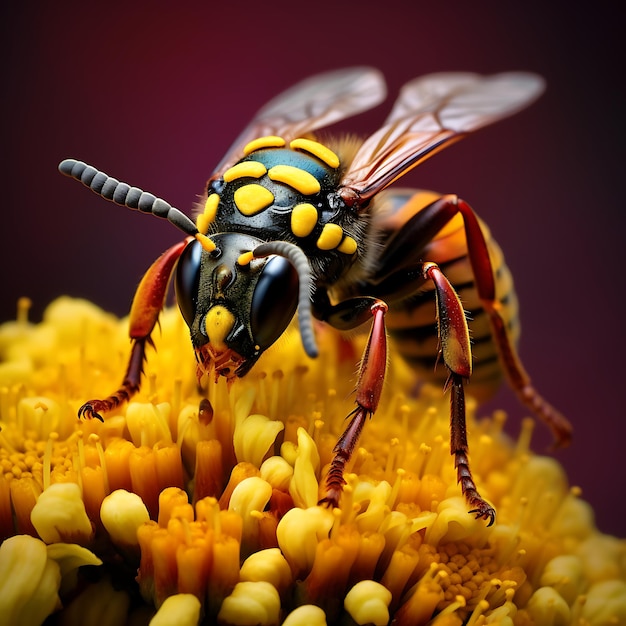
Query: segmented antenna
{"type": "Point", "coordinates": [123, 194]}
{"type": "Point", "coordinates": [300, 262]}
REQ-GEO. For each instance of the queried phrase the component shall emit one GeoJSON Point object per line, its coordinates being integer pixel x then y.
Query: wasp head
{"type": "Point", "coordinates": [235, 310]}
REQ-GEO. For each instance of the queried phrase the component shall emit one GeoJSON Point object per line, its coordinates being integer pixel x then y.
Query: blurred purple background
{"type": "Point", "coordinates": [154, 95]}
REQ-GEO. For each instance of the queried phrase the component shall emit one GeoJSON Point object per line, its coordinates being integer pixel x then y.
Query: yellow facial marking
{"type": "Point", "coordinates": [331, 237]}
{"type": "Point", "coordinates": [271, 141]}
{"type": "Point", "coordinates": [299, 179]}
{"type": "Point", "coordinates": [219, 322]}
{"type": "Point", "coordinates": [245, 258]}
{"type": "Point", "coordinates": [316, 149]}
{"type": "Point", "coordinates": [348, 246]}
{"type": "Point", "coordinates": [206, 218]}
{"type": "Point", "coordinates": [205, 242]}
{"type": "Point", "coordinates": [303, 219]}
{"type": "Point", "coordinates": [252, 169]}
{"type": "Point", "coordinates": [252, 199]}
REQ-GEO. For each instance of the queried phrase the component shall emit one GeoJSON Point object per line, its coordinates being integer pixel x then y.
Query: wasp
{"type": "Point", "coordinates": [291, 223]}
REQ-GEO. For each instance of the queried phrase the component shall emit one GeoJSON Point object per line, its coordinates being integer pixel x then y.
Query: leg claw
{"type": "Point", "coordinates": [486, 512]}
{"type": "Point", "coordinates": [89, 410]}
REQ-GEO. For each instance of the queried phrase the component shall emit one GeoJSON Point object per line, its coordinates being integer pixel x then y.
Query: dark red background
{"type": "Point", "coordinates": [154, 95]}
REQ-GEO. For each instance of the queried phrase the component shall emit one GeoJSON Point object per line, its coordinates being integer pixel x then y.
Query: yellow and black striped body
{"type": "Point", "coordinates": [411, 321]}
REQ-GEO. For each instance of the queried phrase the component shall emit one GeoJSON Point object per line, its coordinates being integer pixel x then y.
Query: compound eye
{"type": "Point", "coordinates": [188, 280]}
{"type": "Point", "coordinates": [274, 301]}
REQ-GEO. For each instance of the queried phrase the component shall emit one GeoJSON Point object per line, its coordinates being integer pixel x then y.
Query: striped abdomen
{"type": "Point", "coordinates": [412, 323]}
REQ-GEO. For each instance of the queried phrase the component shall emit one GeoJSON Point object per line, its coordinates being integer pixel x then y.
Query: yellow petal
{"type": "Point", "coordinates": [182, 609]}
{"type": "Point", "coordinates": [251, 604]}
{"type": "Point", "coordinates": [254, 436]}
{"type": "Point", "coordinates": [304, 487]}
{"type": "Point", "coordinates": [306, 615]}
{"type": "Point", "coordinates": [566, 574]}
{"type": "Point", "coordinates": [277, 472]}
{"type": "Point", "coordinates": [29, 582]}
{"type": "Point", "coordinates": [250, 495]}
{"type": "Point", "coordinates": [269, 565]}
{"type": "Point", "coordinates": [298, 534]}
{"type": "Point", "coordinates": [548, 608]}
{"type": "Point", "coordinates": [606, 603]}
{"type": "Point", "coordinates": [368, 603]}
{"type": "Point", "coordinates": [70, 556]}
{"type": "Point", "coordinates": [59, 515]}
{"type": "Point", "coordinates": [122, 513]}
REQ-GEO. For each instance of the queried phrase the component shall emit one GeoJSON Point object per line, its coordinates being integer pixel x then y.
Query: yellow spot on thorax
{"type": "Point", "coordinates": [219, 322]}
{"type": "Point", "coordinates": [253, 198]}
{"type": "Point", "coordinates": [251, 169]}
{"type": "Point", "coordinates": [331, 237]}
{"type": "Point", "coordinates": [303, 219]}
{"type": "Point", "coordinates": [316, 149]}
{"type": "Point", "coordinates": [271, 141]}
{"type": "Point", "coordinates": [348, 246]}
{"type": "Point", "coordinates": [295, 177]}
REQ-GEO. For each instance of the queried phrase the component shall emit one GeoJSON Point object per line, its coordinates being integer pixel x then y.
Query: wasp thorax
{"type": "Point", "coordinates": [283, 193]}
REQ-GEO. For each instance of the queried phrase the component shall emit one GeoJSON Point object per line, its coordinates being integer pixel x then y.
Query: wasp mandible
{"type": "Point", "coordinates": [292, 223]}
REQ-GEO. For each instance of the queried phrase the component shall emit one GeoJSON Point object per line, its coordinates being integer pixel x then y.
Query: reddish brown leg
{"type": "Point", "coordinates": [368, 391]}
{"type": "Point", "coordinates": [457, 356]}
{"type": "Point", "coordinates": [459, 447]}
{"type": "Point", "coordinates": [513, 368]}
{"type": "Point", "coordinates": [144, 315]}
{"type": "Point", "coordinates": [129, 387]}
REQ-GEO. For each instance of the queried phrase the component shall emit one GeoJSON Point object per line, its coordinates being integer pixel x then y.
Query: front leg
{"type": "Point", "coordinates": [144, 314]}
{"type": "Point", "coordinates": [368, 391]}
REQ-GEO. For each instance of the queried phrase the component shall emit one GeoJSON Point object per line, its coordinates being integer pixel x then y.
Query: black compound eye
{"type": "Point", "coordinates": [188, 280]}
{"type": "Point", "coordinates": [274, 301]}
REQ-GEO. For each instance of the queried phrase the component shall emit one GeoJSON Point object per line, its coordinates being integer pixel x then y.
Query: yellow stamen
{"type": "Point", "coordinates": [306, 615]}
{"type": "Point", "coordinates": [253, 437]}
{"type": "Point", "coordinates": [175, 450]}
{"type": "Point", "coordinates": [251, 603]}
{"type": "Point", "coordinates": [268, 565]}
{"type": "Point", "coordinates": [368, 603]}
{"type": "Point", "coordinates": [122, 513]}
{"type": "Point", "coordinates": [182, 609]}
{"type": "Point", "coordinates": [60, 515]}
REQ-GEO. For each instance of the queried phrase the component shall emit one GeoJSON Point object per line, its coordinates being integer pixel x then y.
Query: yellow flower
{"type": "Point", "coordinates": [194, 508]}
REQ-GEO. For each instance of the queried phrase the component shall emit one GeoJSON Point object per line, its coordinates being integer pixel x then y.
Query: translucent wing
{"type": "Point", "coordinates": [312, 103]}
{"type": "Point", "coordinates": [430, 113]}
